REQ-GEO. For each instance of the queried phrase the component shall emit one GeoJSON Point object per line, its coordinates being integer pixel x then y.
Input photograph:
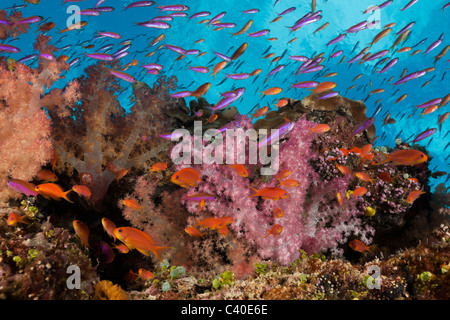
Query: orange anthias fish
{"type": "Point", "coordinates": [271, 91]}
{"type": "Point", "coordinates": [274, 231]}
{"type": "Point", "coordinates": [46, 175]}
{"type": "Point", "coordinates": [121, 247]}
{"type": "Point", "coordinates": [283, 174]}
{"type": "Point", "coordinates": [340, 199]}
{"type": "Point", "coordinates": [272, 193]}
{"type": "Point", "coordinates": [145, 274]}
{"type": "Point", "coordinates": [359, 191]}
{"type": "Point", "coordinates": [359, 246]}
{"type": "Point", "coordinates": [14, 219]}
{"type": "Point", "coordinates": [158, 167]}
{"type": "Point", "coordinates": [240, 169]}
{"type": "Point", "coordinates": [193, 232]}
{"type": "Point", "coordinates": [324, 86]}
{"type": "Point", "coordinates": [403, 157]}
{"type": "Point", "coordinates": [136, 239]}
{"type": "Point", "coordinates": [260, 112]}
{"type": "Point", "coordinates": [290, 183]}
{"type": "Point", "coordinates": [187, 177]}
{"type": "Point", "coordinates": [82, 230]}
{"type": "Point", "coordinates": [214, 223]}
{"type": "Point", "coordinates": [364, 177]}
{"type": "Point", "coordinates": [109, 227]}
{"type": "Point", "coordinates": [414, 195]}
{"type": "Point", "coordinates": [132, 204]}
{"type": "Point", "coordinates": [278, 213]}
{"type": "Point", "coordinates": [82, 191]}
{"type": "Point", "coordinates": [52, 190]}
{"type": "Point", "coordinates": [343, 169]}
{"type": "Point", "coordinates": [320, 128]}
{"type": "Point", "coordinates": [385, 176]}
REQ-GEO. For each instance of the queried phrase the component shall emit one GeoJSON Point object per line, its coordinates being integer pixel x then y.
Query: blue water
{"type": "Point", "coordinates": [430, 20]}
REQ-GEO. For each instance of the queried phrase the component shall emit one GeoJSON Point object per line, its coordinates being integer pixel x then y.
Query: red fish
{"type": "Point", "coordinates": [403, 157]}
{"type": "Point", "coordinates": [82, 191]}
{"type": "Point", "coordinates": [109, 227]}
{"type": "Point", "coordinates": [364, 177]}
{"type": "Point", "coordinates": [193, 232]}
{"type": "Point", "coordinates": [132, 204]}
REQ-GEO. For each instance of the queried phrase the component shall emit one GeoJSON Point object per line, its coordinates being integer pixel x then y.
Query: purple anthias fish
{"type": "Point", "coordinates": [27, 58]}
{"type": "Point", "coordinates": [155, 24]}
{"type": "Point", "coordinates": [337, 39]}
{"type": "Point", "coordinates": [47, 56]}
{"type": "Point", "coordinates": [276, 69]}
{"type": "Point", "coordinates": [174, 7]}
{"type": "Point", "coordinates": [200, 14]}
{"type": "Point", "coordinates": [287, 11]}
{"type": "Point", "coordinates": [429, 103]}
{"type": "Point", "coordinates": [389, 65]}
{"type": "Point", "coordinates": [152, 66]}
{"type": "Point", "coordinates": [305, 84]}
{"type": "Point", "coordinates": [74, 62]}
{"type": "Point", "coordinates": [123, 76]}
{"type": "Point", "coordinates": [381, 6]}
{"type": "Point", "coordinates": [33, 19]}
{"type": "Point", "coordinates": [181, 94]}
{"type": "Point", "coordinates": [278, 134]}
{"type": "Point", "coordinates": [140, 4]}
{"type": "Point", "coordinates": [238, 76]}
{"type": "Point", "coordinates": [258, 33]}
{"type": "Point", "coordinates": [105, 9]}
{"type": "Point", "coordinates": [329, 95]}
{"type": "Point", "coordinates": [218, 17]}
{"type": "Point", "coordinates": [192, 52]}
{"type": "Point", "coordinates": [110, 34]}
{"type": "Point", "coordinates": [433, 45]}
{"type": "Point", "coordinates": [356, 58]}
{"type": "Point", "coordinates": [199, 69]}
{"type": "Point", "coordinates": [299, 58]}
{"type": "Point", "coordinates": [100, 56]}
{"type": "Point", "coordinates": [89, 12]}
{"type": "Point", "coordinates": [313, 69]}
{"type": "Point", "coordinates": [377, 55]}
{"type": "Point", "coordinates": [163, 18]}
{"type": "Point", "coordinates": [410, 77]}
{"type": "Point", "coordinates": [9, 48]}
{"type": "Point", "coordinates": [20, 187]}
{"type": "Point", "coordinates": [305, 20]}
{"type": "Point", "coordinates": [336, 54]}
{"type": "Point", "coordinates": [226, 101]}
{"type": "Point", "coordinates": [251, 11]}
{"type": "Point", "coordinates": [406, 28]}
{"type": "Point", "coordinates": [366, 124]}
{"type": "Point", "coordinates": [175, 49]}
{"type": "Point", "coordinates": [222, 56]}
{"type": "Point", "coordinates": [409, 5]}
{"type": "Point", "coordinates": [357, 27]}
{"type": "Point", "coordinates": [120, 55]}
{"type": "Point", "coordinates": [225, 25]}
{"type": "Point", "coordinates": [171, 136]}
{"type": "Point", "coordinates": [424, 135]}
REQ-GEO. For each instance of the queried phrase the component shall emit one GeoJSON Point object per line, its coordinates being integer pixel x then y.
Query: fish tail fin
{"type": "Point", "coordinates": [65, 196]}
{"type": "Point", "coordinates": [156, 250]}
{"type": "Point", "coordinates": [256, 194]}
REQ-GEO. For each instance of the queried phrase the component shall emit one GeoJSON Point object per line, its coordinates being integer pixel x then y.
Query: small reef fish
{"type": "Point", "coordinates": [340, 199]}
{"type": "Point", "coordinates": [270, 193]}
{"type": "Point", "coordinates": [359, 246]}
{"type": "Point", "coordinates": [364, 177]}
{"type": "Point", "coordinates": [23, 186]}
{"type": "Point", "coordinates": [403, 157]}
{"type": "Point", "coordinates": [158, 167]}
{"type": "Point", "coordinates": [187, 177]}
{"type": "Point", "coordinates": [109, 227]}
{"type": "Point", "coordinates": [46, 175]}
{"type": "Point", "coordinates": [370, 212]}
{"type": "Point", "coordinates": [53, 191]}
{"type": "Point", "coordinates": [132, 204]}
{"type": "Point", "coordinates": [142, 241]}
{"type": "Point", "coordinates": [320, 128]}
{"type": "Point", "coordinates": [239, 169]}
{"type": "Point", "coordinates": [145, 274]}
{"type": "Point", "coordinates": [82, 230]}
{"type": "Point", "coordinates": [278, 213]}
{"type": "Point", "coordinates": [290, 183]}
{"type": "Point", "coordinates": [14, 219]}
{"type": "Point", "coordinates": [274, 231]}
{"type": "Point", "coordinates": [121, 248]}
{"type": "Point", "coordinates": [194, 232]}
{"type": "Point", "coordinates": [414, 195]}
{"type": "Point", "coordinates": [82, 191]}
{"type": "Point", "coordinates": [358, 192]}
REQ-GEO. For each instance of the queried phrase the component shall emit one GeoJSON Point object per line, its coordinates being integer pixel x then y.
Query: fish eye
{"type": "Point", "coordinates": [176, 177]}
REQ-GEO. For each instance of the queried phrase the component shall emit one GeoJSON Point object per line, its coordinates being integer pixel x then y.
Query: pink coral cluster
{"type": "Point", "coordinates": [309, 222]}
